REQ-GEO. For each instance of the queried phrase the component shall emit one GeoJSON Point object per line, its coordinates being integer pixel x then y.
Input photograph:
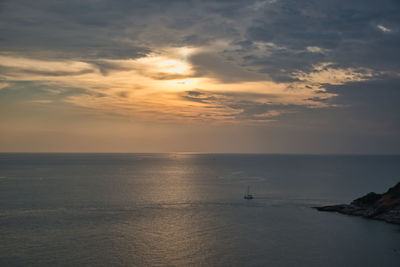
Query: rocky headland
{"type": "Point", "coordinates": [385, 207]}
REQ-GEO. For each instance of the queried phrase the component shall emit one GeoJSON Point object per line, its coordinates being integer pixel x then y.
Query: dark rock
{"type": "Point", "coordinates": [375, 206]}
{"type": "Point", "coordinates": [367, 200]}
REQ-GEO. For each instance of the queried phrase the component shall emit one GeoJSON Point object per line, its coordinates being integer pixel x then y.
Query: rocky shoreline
{"type": "Point", "coordinates": [385, 207]}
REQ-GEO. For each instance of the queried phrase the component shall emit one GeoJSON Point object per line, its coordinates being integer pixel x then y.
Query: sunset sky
{"type": "Point", "coordinates": [239, 76]}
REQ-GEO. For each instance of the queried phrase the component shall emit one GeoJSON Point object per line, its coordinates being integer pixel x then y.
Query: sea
{"type": "Point", "coordinates": [184, 209]}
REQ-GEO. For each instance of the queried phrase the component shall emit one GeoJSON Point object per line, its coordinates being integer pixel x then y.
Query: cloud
{"type": "Point", "coordinates": [199, 96]}
{"type": "Point", "coordinates": [136, 58]}
{"type": "Point", "coordinates": [383, 28]}
{"type": "Point", "coordinates": [160, 97]}
{"type": "Point", "coordinates": [238, 107]}
{"type": "Point", "coordinates": [316, 49]}
{"type": "Point", "coordinates": [212, 65]}
{"type": "Point", "coordinates": [307, 70]}
{"type": "Point", "coordinates": [19, 66]}
{"type": "Point", "coordinates": [104, 29]}
{"type": "Point", "coordinates": [326, 73]}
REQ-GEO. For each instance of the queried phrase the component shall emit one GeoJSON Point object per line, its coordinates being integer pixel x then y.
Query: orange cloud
{"type": "Point", "coordinates": [162, 79]}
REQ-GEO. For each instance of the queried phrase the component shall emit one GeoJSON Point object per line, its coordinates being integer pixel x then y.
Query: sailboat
{"type": "Point", "coordinates": [248, 195]}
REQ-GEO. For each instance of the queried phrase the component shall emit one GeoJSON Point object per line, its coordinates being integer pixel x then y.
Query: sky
{"type": "Point", "coordinates": [238, 76]}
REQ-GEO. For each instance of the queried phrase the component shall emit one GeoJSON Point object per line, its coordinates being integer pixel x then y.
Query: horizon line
{"type": "Point", "coordinates": [211, 153]}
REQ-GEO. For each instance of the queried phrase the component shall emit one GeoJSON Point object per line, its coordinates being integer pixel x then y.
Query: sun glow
{"type": "Point", "coordinates": [166, 84]}
{"type": "Point", "coordinates": [163, 64]}
{"type": "Point", "coordinates": [174, 66]}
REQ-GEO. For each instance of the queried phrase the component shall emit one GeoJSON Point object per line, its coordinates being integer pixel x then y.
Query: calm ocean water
{"type": "Point", "coordinates": [188, 209]}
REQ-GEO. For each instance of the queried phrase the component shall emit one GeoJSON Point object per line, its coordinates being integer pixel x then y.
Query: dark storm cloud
{"type": "Point", "coordinates": [348, 30]}
{"type": "Point", "coordinates": [80, 29]}
{"type": "Point", "coordinates": [108, 29]}
{"type": "Point", "coordinates": [281, 65]}
{"type": "Point", "coordinates": [213, 65]}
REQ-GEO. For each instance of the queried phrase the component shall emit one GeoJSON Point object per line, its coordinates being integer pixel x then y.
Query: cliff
{"type": "Point", "coordinates": [384, 206]}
